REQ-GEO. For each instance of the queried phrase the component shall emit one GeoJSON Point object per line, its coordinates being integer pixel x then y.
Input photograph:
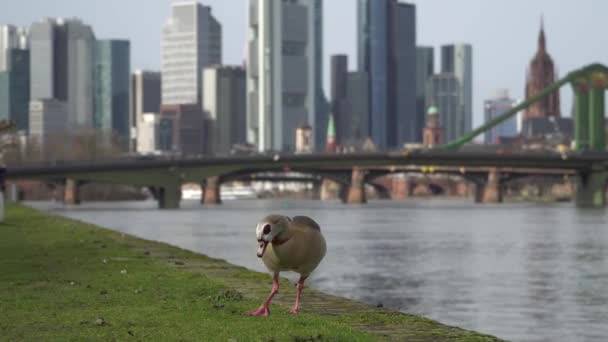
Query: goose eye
{"type": "Point", "coordinates": [266, 229]}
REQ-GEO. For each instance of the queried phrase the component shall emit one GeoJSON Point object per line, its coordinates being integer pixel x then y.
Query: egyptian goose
{"type": "Point", "coordinates": [288, 244]}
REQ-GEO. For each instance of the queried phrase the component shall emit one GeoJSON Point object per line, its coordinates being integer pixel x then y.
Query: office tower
{"type": "Point", "coordinates": [425, 68]}
{"type": "Point", "coordinates": [457, 59]}
{"type": "Point", "coordinates": [147, 133]}
{"type": "Point", "coordinates": [15, 89]}
{"type": "Point", "coordinates": [145, 97]}
{"type": "Point", "coordinates": [225, 107]}
{"type": "Point", "coordinates": [339, 98]}
{"type": "Point", "coordinates": [112, 80]}
{"type": "Point", "coordinates": [61, 67]}
{"type": "Point", "coordinates": [284, 71]}
{"type": "Point", "coordinates": [387, 53]}
{"type": "Point", "coordinates": [443, 92]}
{"type": "Point", "coordinates": [540, 75]}
{"type": "Point", "coordinates": [349, 102]}
{"type": "Point", "coordinates": [48, 118]}
{"type": "Point", "coordinates": [182, 129]}
{"type": "Point", "coordinates": [191, 40]}
{"type": "Point", "coordinates": [11, 37]}
{"type": "Point", "coordinates": [145, 94]}
{"type": "Point", "coordinates": [495, 107]}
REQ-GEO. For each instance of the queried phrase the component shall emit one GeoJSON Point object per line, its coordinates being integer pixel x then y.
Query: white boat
{"type": "Point", "coordinates": [226, 193]}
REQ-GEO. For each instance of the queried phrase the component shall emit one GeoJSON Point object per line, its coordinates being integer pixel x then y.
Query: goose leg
{"type": "Point", "coordinates": [264, 309]}
{"type": "Point", "coordinates": [299, 287]}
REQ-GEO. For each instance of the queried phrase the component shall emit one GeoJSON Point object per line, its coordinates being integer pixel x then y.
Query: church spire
{"type": "Point", "coordinates": [542, 44]}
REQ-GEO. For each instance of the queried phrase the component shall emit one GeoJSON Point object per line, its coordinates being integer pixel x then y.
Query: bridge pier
{"type": "Point", "coordinates": [71, 192]}
{"type": "Point", "coordinates": [402, 187]}
{"type": "Point", "coordinates": [356, 190]}
{"type": "Point", "coordinates": [211, 191]}
{"type": "Point", "coordinates": [169, 195]}
{"type": "Point", "coordinates": [489, 191]}
{"type": "Point", "coordinates": [591, 188]}
{"type": "Point", "coordinates": [330, 190]}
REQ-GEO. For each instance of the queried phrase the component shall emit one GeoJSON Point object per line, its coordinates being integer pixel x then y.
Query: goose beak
{"type": "Point", "coordinates": [262, 247]}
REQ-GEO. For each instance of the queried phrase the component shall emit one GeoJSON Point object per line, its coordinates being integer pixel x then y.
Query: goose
{"type": "Point", "coordinates": [288, 244]}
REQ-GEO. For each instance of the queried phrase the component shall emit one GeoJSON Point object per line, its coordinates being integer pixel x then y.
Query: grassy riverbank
{"type": "Point", "coordinates": [63, 280]}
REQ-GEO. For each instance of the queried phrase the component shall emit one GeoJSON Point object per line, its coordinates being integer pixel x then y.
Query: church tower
{"type": "Point", "coordinates": [541, 74]}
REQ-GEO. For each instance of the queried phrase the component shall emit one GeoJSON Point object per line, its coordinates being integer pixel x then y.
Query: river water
{"type": "Point", "coordinates": [523, 272]}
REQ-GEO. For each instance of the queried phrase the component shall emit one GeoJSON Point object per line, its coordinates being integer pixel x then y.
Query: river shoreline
{"type": "Point", "coordinates": [49, 255]}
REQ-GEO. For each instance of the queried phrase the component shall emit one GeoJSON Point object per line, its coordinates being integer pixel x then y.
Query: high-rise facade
{"type": "Point", "coordinates": [11, 37]}
{"type": "Point", "coordinates": [62, 58]}
{"type": "Point", "coordinates": [15, 89]}
{"type": "Point", "coordinates": [541, 74]}
{"type": "Point", "coordinates": [349, 102]}
{"type": "Point", "coordinates": [493, 108]}
{"type": "Point", "coordinates": [425, 68]}
{"type": "Point", "coordinates": [145, 98]}
{"type": "Point", "coordinates": [443, 92]}
{"type": "Point", "coordinates": [339, 105]}
{"type": "Point", "coordinates": [284, 72]}
{"type": "Point", "coordinates": [386, 34]}
{"type": "Point", "coordinates": [48, 118]}
{"type": "Point", "coordinates": [457, 59]}
{"type": "Point", "coordinates": [181, 128]}
{"type": "Point", "coordinates": [225, 107]}
{"type": "Point", "coordinates": [145, 94]}
{"type": "Point", "coordinates": [191, 40]}
{"type": "Point", "coordinates": [112, 79]}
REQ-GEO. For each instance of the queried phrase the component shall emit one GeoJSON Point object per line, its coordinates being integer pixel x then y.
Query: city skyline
{"type": "Point", "coordinates": [491, 36]}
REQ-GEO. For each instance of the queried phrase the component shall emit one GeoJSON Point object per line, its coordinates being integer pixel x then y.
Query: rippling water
{"type": "Point", "coordinates": [519, 271]}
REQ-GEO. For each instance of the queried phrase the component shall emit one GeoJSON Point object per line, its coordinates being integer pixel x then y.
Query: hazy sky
{"type": "Point", "coordinates": [503, 33]}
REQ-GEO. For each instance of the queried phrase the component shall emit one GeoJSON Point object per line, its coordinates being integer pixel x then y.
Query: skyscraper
{"type": "Point", "coordinates": [62, 57]}
{"type": "Point", "coordinates": [443, 91]}
{"type": "Point", "coordinates": [457, 59]}
{"type": "Point", "coordinates": [493, 108]}
{"type": "Point", "coordinates": [191, 40]}
{"type": "Point", "coordinates": [145, 98]}
{"type": "Point", "coordinates": [541, 74]}
{"type": "Point", "coordinates": [11, 37]}
{"type": "Point", "coordinates": [112, 76]}
{"type": "Point", "coordinates": [15, 88]}
{"type": "Point", "coordinates": [425, 68]}
{"type": "Point", "coordinates": [225, 106]}
{"type": "Point", "coordinates": [339, 100]}
{"type": "Point", "coordinates": [284, 72]}
{"type": "Point", "coordinates": [349, 102]}
{"type": "Point", "coordinates": [387, 53]}
{"type": "Point", "coordinates": [48, 118]}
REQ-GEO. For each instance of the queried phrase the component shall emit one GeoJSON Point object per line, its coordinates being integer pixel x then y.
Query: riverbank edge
{"type": "Point", "coordinates": [378, 323]}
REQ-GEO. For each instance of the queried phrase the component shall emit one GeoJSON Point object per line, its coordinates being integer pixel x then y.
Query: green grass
{"type": "Point", "coordinates": [64, 280]}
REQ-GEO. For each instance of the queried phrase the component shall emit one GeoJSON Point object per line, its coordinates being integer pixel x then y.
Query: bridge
{"type": "Point", "coordinates": [165, 175]}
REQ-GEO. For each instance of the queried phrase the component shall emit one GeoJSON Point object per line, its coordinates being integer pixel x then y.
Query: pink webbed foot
{"type": "Point", "coordinates": [261, 311]}
{"type": "Point", "coordinates": [294, 310]}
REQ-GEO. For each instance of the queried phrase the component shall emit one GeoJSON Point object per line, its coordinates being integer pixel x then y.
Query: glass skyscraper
{"type": "Point", "coordinates": [387, 53]}
{"type": "Point", "coordinates": [112, 81]}
{"type": "Point", "coordinates": [493, 108]}
{"type": "Point", "coordinates": [191, 40]}
{"type": "Point", "coordinates": [14, 89]}
{"type": "Point", "coordinates": [425, 68]}
{"type": "Point", "coordinates": [443, 91]}
{"type": "Point", "coordinates": [61, 53]}
{"type": "Point", "coordinates": [284, 72]}
{"type": "Point", "coordinates": [457, 59]}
